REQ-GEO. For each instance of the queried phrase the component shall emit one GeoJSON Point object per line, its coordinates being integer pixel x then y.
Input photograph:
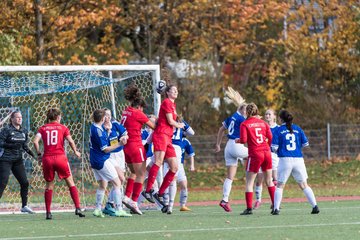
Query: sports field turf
{"type": "Point", "coordinates": [337, 220]}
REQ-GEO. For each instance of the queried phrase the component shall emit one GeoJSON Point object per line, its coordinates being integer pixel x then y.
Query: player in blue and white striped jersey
{"type": "Point", "coordinates": [288, 142]}
{"type": "Point", "coordinates": [180, 177]}
{"type": "Point", "coordinates": [233, 151]}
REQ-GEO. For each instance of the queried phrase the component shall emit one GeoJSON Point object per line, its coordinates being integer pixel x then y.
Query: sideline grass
{"type": "Point", "coordinates": [337, 220]}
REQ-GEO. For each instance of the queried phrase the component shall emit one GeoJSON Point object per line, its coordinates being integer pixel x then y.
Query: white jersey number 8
{"type": "Point", "coordinates": [292, 144]}
{"type": "Point", "coordinates": [231, 127]}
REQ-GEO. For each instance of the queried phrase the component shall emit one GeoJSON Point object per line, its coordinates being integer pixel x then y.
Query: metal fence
{"type": "Point", "coordinates": [334, 140]}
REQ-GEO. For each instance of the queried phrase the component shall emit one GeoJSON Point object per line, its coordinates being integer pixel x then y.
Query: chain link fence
{"type": "Point", "coordinates": [334, 140]}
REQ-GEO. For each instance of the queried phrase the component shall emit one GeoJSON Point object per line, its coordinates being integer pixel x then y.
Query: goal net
{"type": "Point", "coordinates": [77, 91]}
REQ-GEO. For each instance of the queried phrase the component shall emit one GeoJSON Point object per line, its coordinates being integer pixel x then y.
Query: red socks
{"type": "Point", "coordinates": [48, 199]}
{"type": "Point", "coordinates": [129, 187]}
{"type": "Point", "coordinates": [169, 177]}
{"type": "Point", "coordinates": [75, 196]}
{"type": "Point", "coordinates": [272, 193]}
{"type": "Point", "coordinates": [152, 177]}
{"type": "Point", "coordinates": [249, 197]}
{"type": "Point", "coordinates": [137, 191]}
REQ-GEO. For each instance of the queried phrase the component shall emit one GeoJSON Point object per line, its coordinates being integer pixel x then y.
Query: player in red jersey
{"type": "Point", "coordinates": [133, 119]}
{"type": "Point", "coordinates": [163, 148]}
{"type": "Point", "coordinates": [53, 135]}
{"type": "Point", "coordinates": [256, 133]}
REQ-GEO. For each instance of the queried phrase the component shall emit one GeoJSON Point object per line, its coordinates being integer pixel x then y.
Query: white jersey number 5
{"type": "Point", "coordinates": [259, 136]}
{"type": "Point", "coordinates": [292, 144]}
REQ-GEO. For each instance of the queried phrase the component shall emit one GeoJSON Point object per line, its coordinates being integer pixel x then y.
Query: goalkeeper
{"type": "Point", "coordinates": [13, 142]}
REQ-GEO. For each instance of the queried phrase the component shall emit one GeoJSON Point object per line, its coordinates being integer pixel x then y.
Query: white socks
{"type": "Point", "coordinates": [277, 198]}
{"type": "Point", "coordinates": [258, 192]}
{"type": "Point", "coordinates": [310, 196]}
{"type": "Point", "coordinates": [172, 193]}
{"type": "Point", "coordinates": [183, 197]}
{"type": "Point", "coordinates": [227, 189]}
{"type": "Point", "coordinates": [99, 198]}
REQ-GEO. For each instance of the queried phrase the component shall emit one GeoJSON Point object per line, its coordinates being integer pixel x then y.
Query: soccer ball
{"type": "Point", "coordinates": [161, 85]}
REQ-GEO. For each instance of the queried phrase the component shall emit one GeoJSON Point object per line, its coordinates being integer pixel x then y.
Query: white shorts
{"type": "Point", "coordinates": [118, 159]}
{"type": "Point", "coordinates": [274, 162]}
{"type": "Point", "coordinates": [107, 173]}
{"type": "Point", "coordinates": [294, 166]}
{"type": "Point", "coordinates": [234, 152]}
{"type": "Point", "coordinates": [180, 174]}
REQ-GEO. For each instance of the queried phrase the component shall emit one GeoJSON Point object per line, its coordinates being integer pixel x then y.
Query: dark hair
{"type": "Point", "coordinates": [287, 118]}
{"type": "Point", "coordinates": [12, 115]}
{"type": "Point", "coordinates": [52, 114]}
{"type": "Point", "coordinates": [98, 115]}
{"type": "Point", "coordinates": [167, 89]}
{"type": "Point", "coordinates": [133, 95]}
{"type": "Point", "coordinates": [252, 110]}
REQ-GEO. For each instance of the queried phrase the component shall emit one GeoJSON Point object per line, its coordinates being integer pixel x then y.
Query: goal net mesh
{"type": "Point", "coordinates": [77, 95]}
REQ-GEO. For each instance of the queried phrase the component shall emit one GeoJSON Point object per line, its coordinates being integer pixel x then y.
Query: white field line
{"type": "Point", "coordinates": [182, 231]}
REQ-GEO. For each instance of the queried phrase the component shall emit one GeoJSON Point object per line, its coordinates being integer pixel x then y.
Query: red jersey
{"type": "Point", "coordinates": [53, 135]}
{"type": "Point", "coordinates": [162, 125]}
{"type": "Point", "coordinates": [256, 133]}
{"type": "Point", "coordinates": [133, 119]}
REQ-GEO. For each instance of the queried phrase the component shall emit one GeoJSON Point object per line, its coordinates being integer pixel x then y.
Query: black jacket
{"type": "Point", "coordinates": [13, 142]}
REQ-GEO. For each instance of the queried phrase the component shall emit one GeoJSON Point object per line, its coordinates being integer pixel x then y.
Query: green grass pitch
{"type": "Point", "coordinates": [337, 220]}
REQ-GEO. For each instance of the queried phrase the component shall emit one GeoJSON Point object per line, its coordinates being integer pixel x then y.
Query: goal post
{"type": "Point", "coordinates": [77, 91]}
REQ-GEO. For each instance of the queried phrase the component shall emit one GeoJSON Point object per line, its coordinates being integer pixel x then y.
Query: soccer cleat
{"type": "Point", "coordinates": [315, 210]}
{"type": "Point", "coordinates": [26, 209]}
{"type": "Point", "coordinates": [127, 201]}
{"type": "Point", "coordinates": [159, 199]}
{"type": "Point", "coordinates": [48, 216]}
{"type": "Point", "coordinates": [257, 205]}
{"type": "Point", "coordinates": [225, 206]}
{"type": "Point", "coordinates": [98, 213]}
{"type": "Point", "coordinates": [164, 209]}
{"type": "Point", "coordinates": [109, 209]}
{"type": "Point", "coordinates": [148, 196]}
{"type": "Point", "coordinates": [185, 209]}
{"type": "Point", "coordinates": [79, 213]}
{"type": "Point", "coordinates": [135, 208]}
{"type": "Point", "coordinates": [247, 211]}
{"type": "Point", "coordinates": [275, 212]}
{"type": "Point", "coordinates": [121, 213]}
{"type": "Point", "coordinates": [169, 211]}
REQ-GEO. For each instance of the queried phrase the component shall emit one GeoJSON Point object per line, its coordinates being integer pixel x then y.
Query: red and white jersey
{"type": "Point", "coordinates": [162, 125]}
{"type": "Point", "coordinates": [133, 119]}
{"type": "Point", "coordinates": [256, 133]}
{"type": "Point", "coordinates": [53, 135]}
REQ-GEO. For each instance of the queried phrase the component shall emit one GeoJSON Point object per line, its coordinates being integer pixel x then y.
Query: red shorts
{"type": "Point", "coordinates": [163, 142]}
{"type": "Point", "coordinates": [134, 152]}
{"type": "Point", "coordinates": [55, 163]}
{"type": "Point", "coordinates": [259, 159]}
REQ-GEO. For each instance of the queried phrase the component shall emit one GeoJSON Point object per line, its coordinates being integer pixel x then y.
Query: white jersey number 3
{"type": "Point", "coordinates": [292, 144]}
{"type": "Point", "coordinates": [259, 136]}
{"type": "Point", "coordinates": [52, 137]}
